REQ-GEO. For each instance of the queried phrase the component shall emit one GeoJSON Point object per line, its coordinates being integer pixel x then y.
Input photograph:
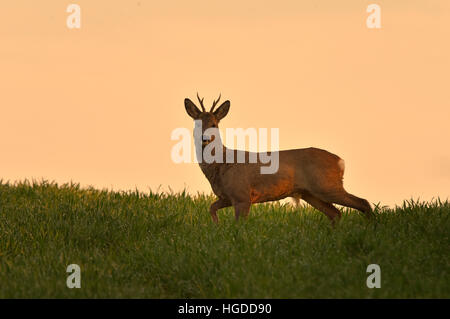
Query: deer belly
{"type": "Point", "coordinates": [271, 191]}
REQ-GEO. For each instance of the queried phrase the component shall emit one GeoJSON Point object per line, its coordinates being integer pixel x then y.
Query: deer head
{"type": "Point", "coordinates": [206, 120]}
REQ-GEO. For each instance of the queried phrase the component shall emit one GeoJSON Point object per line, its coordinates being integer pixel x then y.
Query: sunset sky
{"type": "Point", "coordinates": [97, 105]}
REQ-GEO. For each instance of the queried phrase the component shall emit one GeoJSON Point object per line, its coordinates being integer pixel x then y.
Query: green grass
{"type": "Point", "coordinates": [136, 245]}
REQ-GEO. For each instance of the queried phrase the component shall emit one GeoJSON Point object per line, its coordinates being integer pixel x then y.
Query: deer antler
{"type": "Point", "coordinates": [215, 103]}
{"type": "Point", "coordinates": [201, 102]}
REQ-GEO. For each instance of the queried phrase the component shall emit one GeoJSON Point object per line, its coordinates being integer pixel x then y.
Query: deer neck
{"type": "Point", "coordinates": [211, 169]}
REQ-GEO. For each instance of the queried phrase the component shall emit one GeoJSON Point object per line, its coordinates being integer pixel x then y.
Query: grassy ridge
{"type": "Point", "coordinates": [165, 246]}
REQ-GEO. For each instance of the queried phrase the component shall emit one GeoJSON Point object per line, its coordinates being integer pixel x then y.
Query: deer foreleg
{"type": "Point", "coordinates": [218, 204]}
{"type": "Point", "coordinates": [242, 208]}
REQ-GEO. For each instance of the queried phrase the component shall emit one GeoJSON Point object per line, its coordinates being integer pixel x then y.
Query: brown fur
{"type": "Point", "coordinates": [311, 174]}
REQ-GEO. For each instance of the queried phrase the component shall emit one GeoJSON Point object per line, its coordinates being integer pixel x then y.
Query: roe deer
{"type": "Point", "coordinates": [311, 174]}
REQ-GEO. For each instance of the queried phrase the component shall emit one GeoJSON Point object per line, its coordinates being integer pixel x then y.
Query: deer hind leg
{"type": "Point", "coordinates": [346, 199]}
{"type": "Point", "coordinates": [328, 209]}
{"type": "Point", "coordinates": [218, 204]}
{"type": "Point", "coordinates": [296, 199]}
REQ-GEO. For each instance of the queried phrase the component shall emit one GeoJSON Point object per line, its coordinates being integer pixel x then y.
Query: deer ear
{"type": "Point", "coordinates": [191, 109]}
{"type": "Point", "coordinates": [222, 111]}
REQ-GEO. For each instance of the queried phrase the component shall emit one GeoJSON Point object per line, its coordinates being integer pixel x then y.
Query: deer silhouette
{"type": "Point", "coordinates": [311, 174]}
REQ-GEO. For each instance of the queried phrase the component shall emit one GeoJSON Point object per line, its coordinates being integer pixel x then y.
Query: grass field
{"type": "Point", "coordinates": [136, 245]}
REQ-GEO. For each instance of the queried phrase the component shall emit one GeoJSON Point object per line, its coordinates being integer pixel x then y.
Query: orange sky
{"type": "Point", "coordinates": [98, 105]}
